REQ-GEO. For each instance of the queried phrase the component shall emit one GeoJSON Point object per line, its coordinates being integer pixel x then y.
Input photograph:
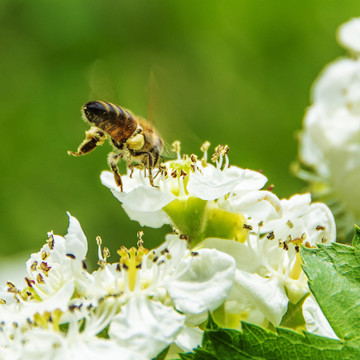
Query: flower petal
{"type": "Point", "coordinates": [146, 327]}
{"type": "Point", "coordinates": [139, 196]}
{"type": "Point", "coordinates": [189, 338]}
{"type": "Point", "coordinates": [76, 242]}
{"type": "Point", "coordinates": [349, 35]}
{"type": "Point", "coordinates": [154, 219]}
{"type": "Point", "coordinates": [267, 294]}
{"type": "Point", "coordinates": [212, 183]}
{"type": "Point", "coordinates": [205, 285]}
{"type": "Point", "coordinates": [316, 321]}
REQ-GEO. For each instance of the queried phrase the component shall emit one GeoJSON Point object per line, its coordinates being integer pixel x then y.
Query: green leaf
{"type": "Point", "coordinates": [211, 324]}
{"type": "Point", "coordinates": [334, 279]}
{"type": "Point", "coordinates": [163, 354]}
{"type": "Point", "coordinates": [356, 239]}
{"type": "Point", "coordinates": [294, 318]}
{"type": "Point", "coordinates": [254, 342]}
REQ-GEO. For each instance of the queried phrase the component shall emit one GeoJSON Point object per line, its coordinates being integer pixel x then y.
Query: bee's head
{"type": "Point", "coordinates": [94, 111]}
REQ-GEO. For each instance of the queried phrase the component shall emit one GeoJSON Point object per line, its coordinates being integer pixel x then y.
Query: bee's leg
{"type": "Point", "coordinates": [157, 173]}
{"type": "Point", "coordinates": [113, 160]}
{"type": "Point", "coordinates": [130, 166]}
{"type": "Point", "coordinates": [150, 166]}
{"type": "Point", "coordinates": [132, 171]}
{"type": "Point", "coordinates": [160, 167]}
{"type": "Point", "coordinates": [94, 137]}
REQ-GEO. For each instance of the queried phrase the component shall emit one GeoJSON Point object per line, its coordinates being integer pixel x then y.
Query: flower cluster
{"type": "Point", "coordinates": [330, 140]}
{"type": "Point", "coordinates": [223, 207]}
{"type": "Point", "coordinates": [131, 309]}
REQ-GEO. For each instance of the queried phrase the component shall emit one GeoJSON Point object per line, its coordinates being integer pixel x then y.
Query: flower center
{"type": "Point", "coordinates": [131, 260]}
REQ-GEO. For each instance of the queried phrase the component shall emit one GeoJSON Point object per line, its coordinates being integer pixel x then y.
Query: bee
{"type": "Point", "coordinates": [132, 137]}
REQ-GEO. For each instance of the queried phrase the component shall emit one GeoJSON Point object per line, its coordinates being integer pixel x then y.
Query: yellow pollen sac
{"type": "Point", "coordinates": [131, 260]}
{"type": "Point", "coordinates": [45, 268]}
{"type": "Point", "coordinates": [44, 255]}
{"type": "Point", "coordinates": [176, 146]}
{"type": "Point", "coordinates": [33, 266]}
{"type": "Point", "coordinates": [40, 279]}
{"type": "Point", "coordinates": [106, 253]}
{"type": "Point", "coordinates": [51, 241]}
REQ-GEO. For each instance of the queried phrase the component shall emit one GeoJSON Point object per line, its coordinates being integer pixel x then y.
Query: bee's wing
{"type": "Point", "coordinates": [101, 85]}
{"type": "Point", "coordinates": [168, 152]}
{"type": "Point", "coordinates": [164, 116]}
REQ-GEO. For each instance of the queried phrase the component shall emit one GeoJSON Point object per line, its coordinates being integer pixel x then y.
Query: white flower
{"type": "Point", "coordinates": [183, 180]}
{"type": "Point", "coordinates": [152, 287]}
{"type": "Point", "coordinates": [50, 279]}
{"type": "Point", "coordinates": [330, 140]}
{"type": "Point", "coordinates": [349, 35]}
{"type": "Point", "coordinates": [269, 273]}
{"type": "Point", "coordinates": [47, 343]}
{"type": "Point", "coordinates": [142, 304]}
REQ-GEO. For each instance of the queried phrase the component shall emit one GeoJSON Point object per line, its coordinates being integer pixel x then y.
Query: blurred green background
{"type": "Point", "coordinates": [235, 72]}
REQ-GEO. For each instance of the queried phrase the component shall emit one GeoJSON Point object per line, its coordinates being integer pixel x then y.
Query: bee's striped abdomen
{"type": "Point", "coordinates": [113, 119]}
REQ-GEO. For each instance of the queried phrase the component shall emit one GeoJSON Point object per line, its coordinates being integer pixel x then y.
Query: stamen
{"type": "Point", "coordinates": [44, 255]}
{"type": "Point", "coordinates": [176, 145]}
{"type": "Point", "coordinates": [204, 148]}
{"type": "Point", "coordinates": [50, 241]}
{"type": "Point", "coordinates": [227, 163]}
{"type": "Point", "coordinates": [33, 266]}
{"type": "Point", "coordinates": [182, 192]}
{"type": "Point", "coordinates": [131, 261]}
{"type": "Point", "coordinates": [102, 260]}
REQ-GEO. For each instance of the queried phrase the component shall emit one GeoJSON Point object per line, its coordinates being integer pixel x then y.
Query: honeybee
{"type": "Point", "coordinates": [132, 137]}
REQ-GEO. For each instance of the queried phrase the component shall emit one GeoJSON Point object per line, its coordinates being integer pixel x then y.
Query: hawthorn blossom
{"type": "Point", "coordinates": [187, 189]}
{"type": "Point", "coordinates": [269, 273]}
{"type": "Point", "coordinates": [181, 179]}
{"type": "Point", "coordinates": [151, 287]}
{"type": "Point", "coordinates": [143, 303]}
{"type": "Point", "coordinates": [50, 278]}
{"type": "Point", "coordinates": [330, 139]}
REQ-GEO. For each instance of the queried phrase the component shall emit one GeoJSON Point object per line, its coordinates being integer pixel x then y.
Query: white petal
{"type": "Point", "coordinates": [146, 327]}
{"type": "Point", "coordinates": [316, 321]}
{"type": "Point", "coordinates": [76, 242]}
{"type": "Point", "coordinates": [252, 180]}
{"type": "Point", "coordinates": [246, 258]}
{"type": "Point", "coordinates": [189, 338]}
{"type": "Point", "coordinates": [42, 344]}
{"type": "Point", "coordinates": [154, 219]}
{"type": "Point", "coordinates": [212, 183]}
{"type": "Point", "coordinates": [206, 284]}
{"type": "Point", "coordinates": [59, 300]}
{"type": "Point", "coordinates": [349, 35]}
{"type": "Point", "coordinates": [95, 349]}
{"type": "Point", "coordinates": [138, 197]}
{"type": "Point", "coordinates": [144, 199]}
{"type": "Point", "coordinates": [261, 205]}
{"type": "Point", "coordinates": [267, 294]}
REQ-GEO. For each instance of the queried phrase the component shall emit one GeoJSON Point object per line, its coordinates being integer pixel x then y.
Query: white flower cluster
{"type": "Point", "coordinates": [330, 140]}
{"type": "Point", "coordinates": [223, 207]}
{"type": "Point", "coordinates": [132, 309]}
{"type": "Point", "coordinates": [234, 252]}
